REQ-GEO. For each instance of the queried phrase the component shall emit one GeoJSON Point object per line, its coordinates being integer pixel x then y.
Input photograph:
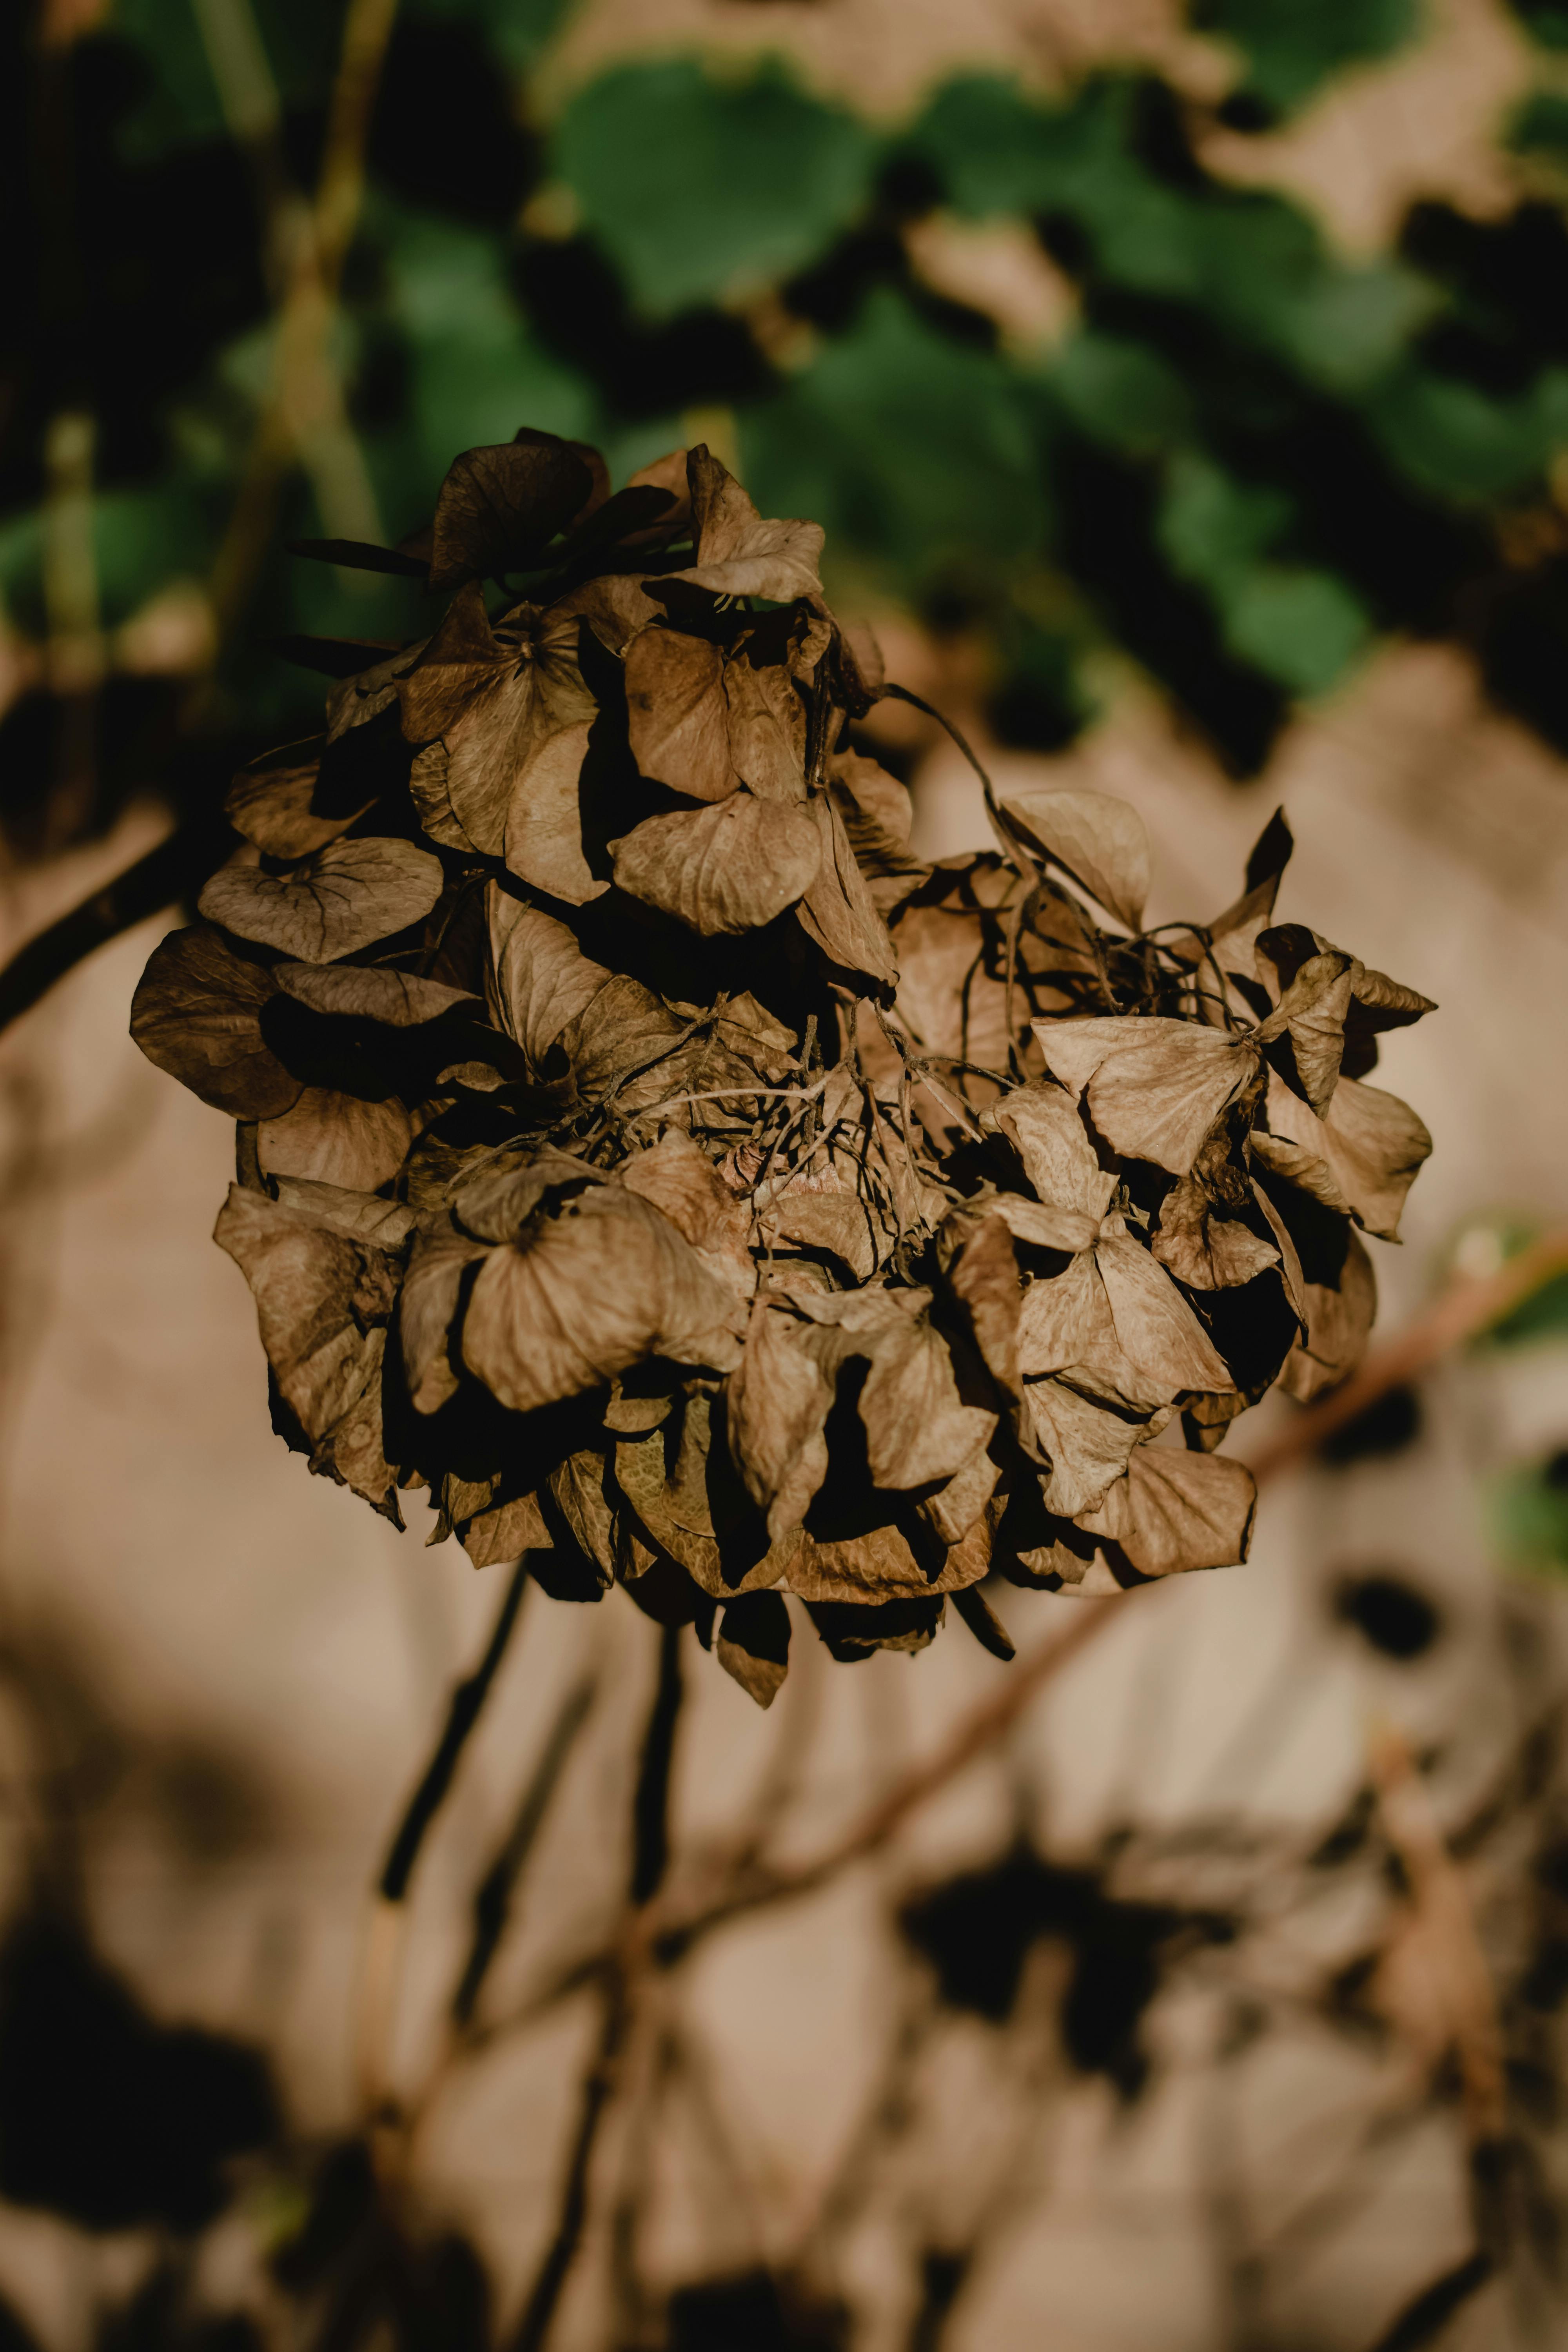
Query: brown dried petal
{"type": "Point", "coordinates": [985, 1278]}
{"type": "Point", "coordinates": [540, 979]}
{"type": "Point", "coordinates": [427, 1311]}
{"type": "Point", "coordinates": [1100, 843]}
{"type": "Point", "coordinates": [270, 802]}
{"type": "Point", "coordinates": [589, 1293]}
{"type": "Point", "coordinates": [370, 993]}
{"type": "Point", "coordinates": [622, 1028]}
{"type": "Point", "coordinates": [1370, 1143]}
{"type": "Point", "coordinates": [724, 870]}
{"type": "Point", "coordinates": [883, 1564]}
{"type": "Point", "coordinates": [1155, 1325]}
{"type": "Point", "coordinates": [1154, 1087]}
{"type": "Point", "coordinates": [333, 903]}
{"type": "Point", "coordinates": [336, 1139]}
{"type": "Point", "coordinates": [1176, 1510]}
{"type": "Point", "coordinates": [577, 1488]}
{"type": "Point", "coordinates": [499, 508]}
{"type": "Point", "coordinates": [676, 714]}
{"type": "Point", "coordinates": [766, 723]}
{"type": "Point", "coordinates": [323, 1303]}
{"type": "Point", "coordinates": [197, 1014]}
{"type": "Point", "coordinates": [738, 552]}
{"type": "Point", "coordinates": [837, 911]}
{"type": "Point", "coordinates": [752, 1644]}
{"type": "Point", "coordinates": [544, 841]}
{"type": "Point", "coordinates": [1311, 1014]}
{"type": "Point", "coordinates": [1340, 1317]}
{"type": "Point", "coordinates": [506, 1532]}
{"type": "Point", "coordinates": [866, 790]}
{"type": "Point", "coordinates": [1088, 1445]}
{"type": "Point", "coordinates": [680, 1180]}
{"type": "Point", "coordinates": [1203, 1249]}
{"type": "Point", "coordinates": [779, 1399]}
{"type": "Point", "coordinates": [1058, 1159]}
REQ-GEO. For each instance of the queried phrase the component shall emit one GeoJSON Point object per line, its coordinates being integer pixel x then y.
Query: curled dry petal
{"type": "Point", "coordinates": [1310, 1019]}
{"type": "Point", "coordinates": [587, 1294]}
{"type": "Point", "coordinates": [1059, 1160]}
{"type": "Point", "coordinates": [1100, 843]}
{"type": "Point", "coordinates": [752, 1643]}
{"type": "Point", "coordinates": [677, 715]}
{"type": "Point", "coordinates": [322, 1301]}
{"type": "Point", "coordinates": [1371, 1145]}
{"type": "Point", "coordinates": [273, 803]}
{"type": "Point", "coordinates": [1201, 1248]}
{"type": "Point", "coordinates": [372, 992]}
{"type": "Point", "coordinates": [197, 1014]}
{"type": "Point", "coordinates": [1176, 1510]}
{"type": "Point", "coordinates": [738, 552]}
{"type": "Point", "coordinates": [837, 909]}
{"type": "Point", "coordinates": [334, 902]}
{"type": "Point", "coordinates": [1339, 1317]}
{"type": "Point", "coordinates": [1087, 1441]}
{"type": "Point", "coordinates": [728, 868]}
{"type": "Point", "coordinates": [499, 508]}
{"type": "Point", "coordinates": [1154, 1087]}
{"type": "Point", "coordinates": [538, 978]}
{"type": "Point", "coordinates": [337, 1138]}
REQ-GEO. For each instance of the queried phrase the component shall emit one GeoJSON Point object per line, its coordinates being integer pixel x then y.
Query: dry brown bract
{"type": "Point", "coordinates": [645, 1154]}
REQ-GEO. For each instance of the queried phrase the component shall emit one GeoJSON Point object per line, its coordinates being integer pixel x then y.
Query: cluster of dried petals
{"type": "Point", "coordinates": [644, 1154]}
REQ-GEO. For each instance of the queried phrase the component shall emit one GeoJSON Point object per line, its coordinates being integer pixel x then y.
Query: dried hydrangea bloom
{"type": "Point", "coordinates": [642, 1153]}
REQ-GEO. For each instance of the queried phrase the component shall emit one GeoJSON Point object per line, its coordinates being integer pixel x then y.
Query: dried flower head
{"type": "Point", "coordinates": [643, 1153]}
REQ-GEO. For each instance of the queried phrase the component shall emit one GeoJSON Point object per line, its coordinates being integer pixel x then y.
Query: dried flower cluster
{"type": "Point", "coordinates": [645, 1153]}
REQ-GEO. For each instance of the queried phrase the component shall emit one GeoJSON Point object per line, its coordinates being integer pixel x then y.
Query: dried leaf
{"type": "Point", "coordinates": [738, 552]}
{"type": "Point", "coordinates": [1099, 843]}
{"type": "Point", "coordinates": [1176, 1510]}
{"type": "Point", "coordinates": [983, 1277]}
{"type": "Point", "coordinates": [543, 842]}
{"type": "Point", "coordinates": [766, 718]}
{"type": "Point", "coordinates": [779, 1399]}
{"type": "Point", "coordinates": [752, 1644]}
{"type": "Point", "coordinates": [682, 1182]}
{"type": "Point", "coordinates": [427, 1311]}
{"type": "Point", "coordinates": [333, 903]}
{"type": "Point", "coordinates": [1200, 1248]}
{"type": "Point", "coordinates": [727, 869]}
{"type": "Point", "coordinates": [197, 1014]}
{"type": "Point", "coordinates": [1312, 1016]}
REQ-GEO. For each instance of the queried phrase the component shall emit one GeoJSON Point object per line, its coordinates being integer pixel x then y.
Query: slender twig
{"type": "Point", "coordinates": [381, 1965]}
{"type": "Point", "coordinates": [618, 1987]}
{"type": "Point", "coordinates": [493, 1897]}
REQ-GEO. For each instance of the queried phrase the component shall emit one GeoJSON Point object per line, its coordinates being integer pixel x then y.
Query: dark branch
{"type": "Point", "coordinates": [175, 869]}
{"type": "Point", "coordinates": [468, 1699]}
{"type": "Point", "coordinates": [651, 1805]}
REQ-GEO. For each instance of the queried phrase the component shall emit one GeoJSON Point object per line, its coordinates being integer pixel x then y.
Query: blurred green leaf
{"type": "Point", "coordinates": [475, 372]}
{"type": "Point", "coordinates": [182, 107]}
{"type": "Point", "coordinates": [1461, 442]}
{"type": "Point", "coordinates": [1298, 625]}
{"type": "Point", "coordinates": [1546, 21]}
{"type": "Point", "coordinates": [1543, 1316]}
{"type": "Point", "coordinates": [1541, 124]}
{"type": "Point", "coordinates": [700, 189]}
{"type": "Point", "coordinates": [1529, 1513]}
{"type": "Point", "coordinates": [911, 447]}
{"type": "Point", "coordinates": [1121, 393]}
{"type": "Point", "coordinates": [1213, 525]}
{"type": "Point", "coordinates": [1293, 46]}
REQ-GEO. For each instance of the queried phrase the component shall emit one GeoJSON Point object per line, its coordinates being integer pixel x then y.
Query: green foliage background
{"type": "Point", "coordinates": [1248, 458]}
